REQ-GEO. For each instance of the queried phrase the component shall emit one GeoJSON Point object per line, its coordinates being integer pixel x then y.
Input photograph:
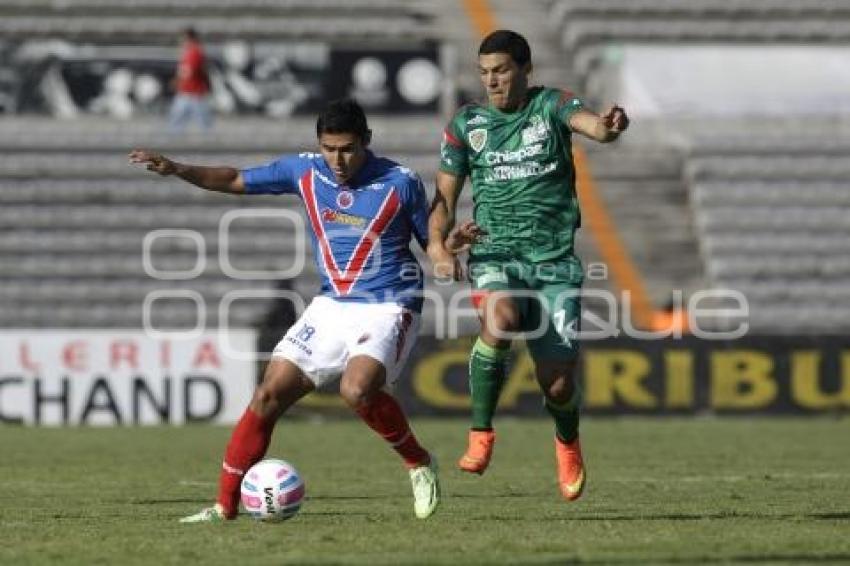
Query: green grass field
{"type": "Point", "coordinates": [676, 491]}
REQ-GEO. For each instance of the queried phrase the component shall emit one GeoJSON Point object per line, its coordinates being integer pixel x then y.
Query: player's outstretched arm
{"type": "Point", "coordinates": [440, 222]}
{"type": "Point", "coordinates": [604, 128]}
{"type": "Point", "coordinates": [219, 179]}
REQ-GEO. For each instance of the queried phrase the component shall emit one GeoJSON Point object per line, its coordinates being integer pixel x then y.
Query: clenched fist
{"type": "Point", "coordinates": [155, 162]}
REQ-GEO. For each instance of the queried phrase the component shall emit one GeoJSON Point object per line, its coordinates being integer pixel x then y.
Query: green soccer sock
{"type": "Point", "coordinates": [487, 367]}
{"type": "Point", "coordinates": [566, 416]}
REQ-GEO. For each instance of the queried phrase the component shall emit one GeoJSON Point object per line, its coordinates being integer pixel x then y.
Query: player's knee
{"type": "Point", "coordinates": [264, 400]}
{"type": "Point", "coordinates": [560, 390]}
{"type": "Point", "coordinates": [267, 397]}
{"type": "Point", "coordinates": [502, 321]}
{"type": "Point", "coordinates": [355, 393]}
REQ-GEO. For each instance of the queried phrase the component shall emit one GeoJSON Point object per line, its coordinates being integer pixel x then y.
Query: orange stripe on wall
{"type": "Point", "coordinates": [608, 242]}
{"type": "Point", "coordinates": [481, 14]}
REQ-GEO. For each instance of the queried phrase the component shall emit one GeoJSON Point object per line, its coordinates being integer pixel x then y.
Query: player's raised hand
{"type": "Point", "coordinates": [155, 162]}
{"type": "Point", "coordinates": [615, 119]}
{"type": "Point", "coordinates": [463, 236]}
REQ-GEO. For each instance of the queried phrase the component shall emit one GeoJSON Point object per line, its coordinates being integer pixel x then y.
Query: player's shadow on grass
{"type": "Point", "coordinates": [146, 501]}
{"type": "Point", "coordinates": [494, 495]}
{"type": "Point", "coordinates": [713, 516]}
{"type": "Point", "coordinates": [337, 514]}
{"type": "Point", "coordinates": [745, 558]}
{"type": "Point", "coordinates": [345, 497]}
{"type": "Point", "coordinates": [675, 517]}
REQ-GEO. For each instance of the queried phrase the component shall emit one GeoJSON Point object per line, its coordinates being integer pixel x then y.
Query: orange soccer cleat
{"type": "Point", "coordinates": [479, 451]}
{"type": "Point", "coordinates": [571, 474]}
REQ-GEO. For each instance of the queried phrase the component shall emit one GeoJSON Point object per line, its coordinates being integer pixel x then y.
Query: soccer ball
{"type": "Point", "coordinates": [272, 490]}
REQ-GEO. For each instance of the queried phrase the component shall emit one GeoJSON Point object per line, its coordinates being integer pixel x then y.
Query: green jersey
{"type": "Point", "coordinates": [521, 167]}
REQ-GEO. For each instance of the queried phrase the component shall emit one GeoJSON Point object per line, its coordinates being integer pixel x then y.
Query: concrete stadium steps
{"type": "Point", "coordinates": [113, 216]}
{"type": "Point", "coordinates": [818, 292]}
{"type": "Point", "coordinates": [181, 315]}
{"type": "Point", "coordinates": [142, 188]}
{"type": "Point", "coordinates": [758, 218]}
{"type": "Point", "coordinates": [124, 264]}
{"type": "Point", "coordinates": [648, 203]}
{"type": "Point", "coordinates": [77, 215]}
{"type": "Point", "coordinates": [816, 319]}
{"type": "Point", "coordinates": [52, 167]}
{"type": "Point", "coordinates": [562, 10]}
{"type": "Point", "coordinates": [163, 29]}
{"type": "Point", "coordinates": [241, 239]}
{"type": "Point", "coordinates": [240, 135]}
{"type": "Point", "coordinates": [783, 267]}
{"type": "Point", "coordinates": [581, 33]}
{"type": "Point", "coordinates": [88, 195]}
{"type": "Point", "coordinates": [588, 28]}
{"type": "Point", "coordinates": [347, 7]}
{"type": "Point", "coordinates": [774, 220]}
{"type": "Point", "coordinates": [765, 243]}
{"type": "Point", "coordinates": [781, 194]}
{"type": "Point", "coordinates": [585, 24]}
{"type": "Point", "coordinates": [161, 21]}
{"type": "Point", "coordinates": [111, 289]}
{"type": "Point", "coordinates": [777, 167]}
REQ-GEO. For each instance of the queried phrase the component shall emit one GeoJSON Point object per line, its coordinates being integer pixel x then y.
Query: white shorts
{"type": "Point", "coordinates": [329, 333]}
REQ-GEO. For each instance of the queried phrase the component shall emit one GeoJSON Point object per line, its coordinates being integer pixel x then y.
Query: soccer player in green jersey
{"type": "Point", "coordinates": [516, 149]}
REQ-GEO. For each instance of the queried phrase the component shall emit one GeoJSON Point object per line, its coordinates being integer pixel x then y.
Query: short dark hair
{"type": "Point", "coordinates": [343, 116]}
{"type": "Point", "coordinates": [507, 41]}
{"type": "Point", "coordinates": [190, 32]}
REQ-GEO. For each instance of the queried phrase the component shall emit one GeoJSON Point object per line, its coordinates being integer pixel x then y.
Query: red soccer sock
{"type": "Point", "coordinates": [384, 415]}
{"type": "Point", "coordinates": [248, 444]}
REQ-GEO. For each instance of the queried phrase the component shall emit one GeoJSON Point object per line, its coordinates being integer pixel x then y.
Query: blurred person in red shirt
{"type": "Point", "coordinates": [191, 85]}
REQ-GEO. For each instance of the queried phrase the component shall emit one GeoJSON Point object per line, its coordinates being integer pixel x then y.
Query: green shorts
{"type": "Point", "coordinates": [547, 295]}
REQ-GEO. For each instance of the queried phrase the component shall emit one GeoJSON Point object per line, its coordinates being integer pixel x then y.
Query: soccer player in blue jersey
{"type": "Point", "coordinates": [363, 211]}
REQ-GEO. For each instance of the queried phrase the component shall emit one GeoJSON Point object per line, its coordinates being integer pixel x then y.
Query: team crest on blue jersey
{"type": "Point", "coordinates": [344, 199]}
{"type": "Point", "coordinates": [477, 139]}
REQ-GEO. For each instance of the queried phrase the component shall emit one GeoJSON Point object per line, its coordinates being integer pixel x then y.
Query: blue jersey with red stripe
{"type": "Point", "coordinates": [361, 232]}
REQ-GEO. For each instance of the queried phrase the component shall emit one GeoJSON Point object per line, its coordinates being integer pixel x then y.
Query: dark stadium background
{"type": "Point", "coordinates": [725, 207]}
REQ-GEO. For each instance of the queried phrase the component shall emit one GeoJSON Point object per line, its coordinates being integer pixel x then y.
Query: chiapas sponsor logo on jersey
{"type": "Point", "coordinates": [477, 120]}
{"type": "Point", "coordinates": [477, 139]}
{"type": "Point", "coordinates": [515, 156]}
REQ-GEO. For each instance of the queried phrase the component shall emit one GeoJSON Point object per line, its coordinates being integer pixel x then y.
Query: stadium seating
{"type": "Point", "coordinates": [765, 200]}
{"type": "Point", "coordinates": [76, 215]}
{"type": "Point", "coordinates": [647, 200]}
{"type": "Point", "coordinates": [563, 9]}
{"type": "Point", "coordinates": [773, 223]}
{"type": "Point", "coordinates": [588, 27]}
{"type": "Point", "coordinates": [162, 20]}
{"type": "Point", "coordinates": [761, 208]}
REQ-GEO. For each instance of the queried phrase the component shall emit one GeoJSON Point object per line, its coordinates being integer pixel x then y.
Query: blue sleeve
{"type": "Point", "coordinates": [276, 178]}
{"type": "Point", "coordinates": [416, 204]}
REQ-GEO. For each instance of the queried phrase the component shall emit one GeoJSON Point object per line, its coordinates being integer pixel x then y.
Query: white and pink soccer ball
{"type": "Point", "coordinates": [272, 490]}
